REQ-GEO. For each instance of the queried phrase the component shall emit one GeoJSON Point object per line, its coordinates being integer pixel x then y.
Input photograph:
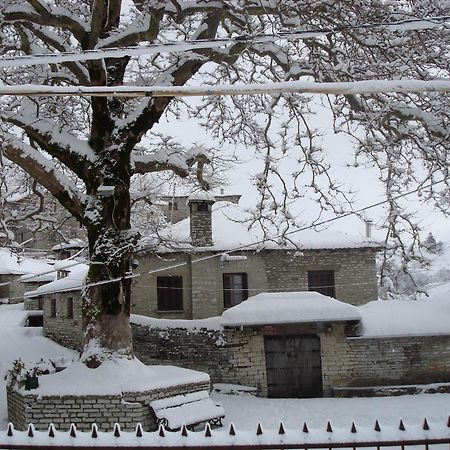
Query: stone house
{"type": "Point", "coordinates": [196, 272]}
{"type": "Point", "coordinates": [60, 301]}
{"type": "Point", "coordinates": [18, 273]}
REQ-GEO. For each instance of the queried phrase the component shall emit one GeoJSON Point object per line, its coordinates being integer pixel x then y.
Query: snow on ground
{"type": "Point", "coordinates": [29, 344]}
{"type": "Point", "coordinates": [244, 411]}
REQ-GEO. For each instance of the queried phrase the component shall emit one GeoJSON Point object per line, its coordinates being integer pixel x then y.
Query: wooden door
{"type": "Point", "coordinates": [293, 365]}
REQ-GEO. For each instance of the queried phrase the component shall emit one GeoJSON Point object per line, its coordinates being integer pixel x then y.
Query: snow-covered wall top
{"type": "Point", "coordinates": [230, 225]}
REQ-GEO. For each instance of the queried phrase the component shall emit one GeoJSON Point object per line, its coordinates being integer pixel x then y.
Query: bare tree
{"type": "Point", "coordinates": [85, 152]}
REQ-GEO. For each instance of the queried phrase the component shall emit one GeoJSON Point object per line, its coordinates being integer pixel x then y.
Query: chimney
{"type": "Point", "coordinates": [200, 209]}
{"type": "Point", "coordinates": [369, 223]}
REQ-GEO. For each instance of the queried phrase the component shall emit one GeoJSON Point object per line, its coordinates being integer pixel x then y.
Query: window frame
{"type": "Point", "coordinates": [170, 291]}
{"type": "Point", "coordinates": [70, 307]}
{"type": "Point", "coordinates": [52, 306]}
{"type": "Point", "coordinates": [231, 289]}
{"type": "Point", "coordinates": [328, 289]}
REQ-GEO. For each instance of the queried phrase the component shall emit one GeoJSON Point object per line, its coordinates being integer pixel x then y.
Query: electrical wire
{"type": "Point", "coordinates": [177, 46]}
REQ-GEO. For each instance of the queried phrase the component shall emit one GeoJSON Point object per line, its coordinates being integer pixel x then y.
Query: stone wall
{"type": "Point", "coordinates": [228, 356]}
{"type": "Point", "coordinates": [62, 329]}
{"type": "Point", "coordinates": [237, 356]}
{"type": "Point", "coordinates": [127, 409]}
{"type": "Point", "coordinates": [361, 362]}
{"type": "Point", "coordinates": [354, 272]}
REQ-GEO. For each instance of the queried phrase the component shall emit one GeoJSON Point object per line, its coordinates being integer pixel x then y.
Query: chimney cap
{"type": "Point", "coordinates": [201, 196]}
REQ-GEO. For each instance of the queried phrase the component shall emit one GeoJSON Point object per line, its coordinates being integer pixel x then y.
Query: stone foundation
{"type": "Point", "coordinates": [127, 409]}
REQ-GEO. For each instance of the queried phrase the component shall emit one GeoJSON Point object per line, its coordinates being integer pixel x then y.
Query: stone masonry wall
{"type": "Point", "coordinates": [354, 272]}
{"type": "Point", "coordinates": [267, 271]}
{"type": "Point", "coordinates": [128, 409]}
{"type": "Point", "coordinates": [144, 294]}
{"type": "Point", "coordinates": [362, 362]}
{"type": "Point", "coordinates": [62, 329]}
{"type": "Point", "coordinates": [237, 356]}
{"type": "Point", "coordinates": [228, 356]}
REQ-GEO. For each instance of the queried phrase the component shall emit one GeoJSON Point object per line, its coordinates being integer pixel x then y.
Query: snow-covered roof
{"type": "Point", "coordinates": [73, 282]}
{"type": "Point", "coordinates": [201, 196]}
{"type": "Point", "coordinates": [13, 265]}
{"type": "Point", "coordinates": [72, 243]}
{"type": "Point", "coordinates": [289, 307]}
{"type": "Point", "coordinates": [230, 231]}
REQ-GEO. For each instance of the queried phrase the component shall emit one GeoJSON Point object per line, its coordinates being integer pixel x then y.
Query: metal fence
{"type": "Point", "coordinates": [400, 435]}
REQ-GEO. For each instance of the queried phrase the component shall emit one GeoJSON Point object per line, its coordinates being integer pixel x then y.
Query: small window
{"type": "Point", "coordinates": [70, 308]}
{"type": "Point", "coordinates": [235, 289]}
{"type": "Point", "coordinates": [53, 307]}
{"type": "Point", "coordinates": [170, 206]}
{"type": "Point", "coordinates": [40, 303]}
{"type": "Point", "coordinates": [322, 281]}
{"type": "Point", "coordinates": [203, 207]}
{"type": "Point", "coordinates": [175, 206]}
{"type": "Point", "coordinates": [170, 293]}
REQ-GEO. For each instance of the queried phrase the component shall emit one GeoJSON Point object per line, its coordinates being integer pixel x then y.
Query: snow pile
{"type": "Point", "coordinates": [18, 265]}
{"type": "Point", "coordinates": [130, 375]}
{"type": "Point", "coordinates": [230, 231]}
{"type": "Point", "coordinates": [73, 282]}
{"type": "Point", "coordinates": [289, 307]}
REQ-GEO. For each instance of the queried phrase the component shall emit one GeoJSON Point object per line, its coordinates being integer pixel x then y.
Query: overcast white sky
{"type": "Point", "coordinates": [339, 148]}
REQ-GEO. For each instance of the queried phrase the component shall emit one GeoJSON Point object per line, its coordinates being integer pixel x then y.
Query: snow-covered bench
{"type": "Point", "coordinates": [187, 409]}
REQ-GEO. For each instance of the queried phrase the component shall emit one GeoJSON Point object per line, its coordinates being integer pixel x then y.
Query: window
{"type": "Point", "coordinates": [170, 293]}
{"type": "Point", "coordinates": [235, 289]}
{"type": "Point", "coordinates": [70, 308]}
{"type": "Point", "coordinates": [203, 207]}
{"type": "Point", "coordinates": [53, 307]}
{"type": "Point", "coordinates": [322, 281]}
{"type": "Point", "coordinates": [173, 206]}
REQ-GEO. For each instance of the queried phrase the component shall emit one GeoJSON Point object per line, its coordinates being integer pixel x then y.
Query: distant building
{"type": "Point", "coordinates": [202, 279]}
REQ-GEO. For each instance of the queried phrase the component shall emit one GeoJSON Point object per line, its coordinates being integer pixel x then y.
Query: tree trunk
{"type": "Point", "coordinates": [107, 295]}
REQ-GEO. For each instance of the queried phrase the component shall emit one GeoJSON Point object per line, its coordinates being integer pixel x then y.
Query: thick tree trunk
{"type": "Point", "coordinates": [107, 295]}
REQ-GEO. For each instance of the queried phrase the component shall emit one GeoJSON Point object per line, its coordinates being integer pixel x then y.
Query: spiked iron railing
{"type": "Point", "coordinates": [377, 436]}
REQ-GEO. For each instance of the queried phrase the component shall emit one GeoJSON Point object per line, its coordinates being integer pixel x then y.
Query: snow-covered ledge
{"type": "Point", "coordinates": [116, 392]}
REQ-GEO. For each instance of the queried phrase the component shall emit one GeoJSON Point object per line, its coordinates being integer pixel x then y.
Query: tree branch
{"type": "Point", "coordinates": [38, 167]}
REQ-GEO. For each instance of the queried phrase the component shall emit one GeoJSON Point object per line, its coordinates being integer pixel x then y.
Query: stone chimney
{"type": "Point", "coordinates": [200, 209]}
{"type": "Point", "coordinates": [369, 223]}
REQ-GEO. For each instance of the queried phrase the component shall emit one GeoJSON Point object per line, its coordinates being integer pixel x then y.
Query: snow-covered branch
{"type": "Point", "coordinates": [45, 173]}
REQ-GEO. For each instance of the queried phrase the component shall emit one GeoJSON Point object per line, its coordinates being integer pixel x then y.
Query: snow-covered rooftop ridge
{"type": "Point", "coordinates": [230, 226]}
{"type": "Point", "coordinates": [73, 282]}
{"type": "Point", "coordinates": [289, 307]}
{"type": "Point", "coordinates": [72, 243]}
{"type": "Point", "coordinates": [201, 196]}
{"type": "Point", "coordinates": [11, 264]}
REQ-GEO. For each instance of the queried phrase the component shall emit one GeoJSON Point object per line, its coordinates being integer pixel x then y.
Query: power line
{"type": "Point", "coordinates": [250, 246]}
{"type": "Point", "coordinates": [414, 24]}
{"type": "Point", "coordinates": [299, 87]}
